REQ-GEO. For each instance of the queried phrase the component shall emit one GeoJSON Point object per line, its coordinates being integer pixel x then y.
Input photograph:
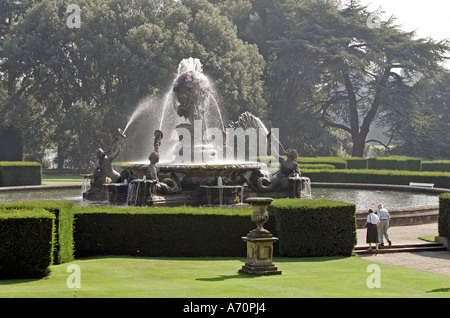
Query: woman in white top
{"type": "Point", "coordinates": [372, 229]}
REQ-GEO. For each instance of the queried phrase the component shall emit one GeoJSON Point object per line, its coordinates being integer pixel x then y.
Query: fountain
{"type": "Point", "coordinates": [201, 162]}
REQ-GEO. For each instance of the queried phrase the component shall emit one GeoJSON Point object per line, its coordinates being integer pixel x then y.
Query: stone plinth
{"type": "Point", "coordinates": [259, 242]}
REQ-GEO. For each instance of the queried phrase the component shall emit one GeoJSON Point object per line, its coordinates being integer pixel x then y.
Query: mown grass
{"type": "Point", "coordinates": [139, 277]}
{"type": "Point", "coordinates": [48, 179]}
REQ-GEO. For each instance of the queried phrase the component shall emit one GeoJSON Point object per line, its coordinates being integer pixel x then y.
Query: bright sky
{"type": "Point", "coordinates": [429, 18]}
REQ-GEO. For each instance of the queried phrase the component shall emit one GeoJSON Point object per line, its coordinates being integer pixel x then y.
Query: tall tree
{"type": "Point", "coordinates": [345, 71]}
{"type": "Point", "coordinates": [424, 132]}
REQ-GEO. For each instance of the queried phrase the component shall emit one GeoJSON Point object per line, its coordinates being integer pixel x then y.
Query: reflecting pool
{"type": "Point", "coordinates": [363, 199]}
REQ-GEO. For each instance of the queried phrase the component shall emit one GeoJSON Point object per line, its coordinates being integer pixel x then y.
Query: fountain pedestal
{"type": "Point", "coordinates": [259, 242]}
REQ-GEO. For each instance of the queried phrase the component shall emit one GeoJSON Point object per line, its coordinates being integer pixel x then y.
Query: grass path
{"type": "Point", "coordinates": [108, 277]}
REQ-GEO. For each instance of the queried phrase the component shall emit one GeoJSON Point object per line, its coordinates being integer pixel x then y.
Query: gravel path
{"type": "Point", "coordinates": [436, 262]}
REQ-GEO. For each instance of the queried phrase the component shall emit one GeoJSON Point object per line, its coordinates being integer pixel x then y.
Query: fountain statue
{"type": "Point", "coordinates": [202, 162]}
{"type": "Point", "coordinates": [104, 171]}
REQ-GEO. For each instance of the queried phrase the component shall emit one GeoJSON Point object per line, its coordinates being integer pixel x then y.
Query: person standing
{"type": "Point", "coordinates": [385, 217]}
{"type": "Point", "coordinates": [372, 224]}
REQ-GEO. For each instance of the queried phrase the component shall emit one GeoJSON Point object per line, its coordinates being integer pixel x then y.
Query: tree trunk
{"type": "Point", "coordinates": [359, 143]}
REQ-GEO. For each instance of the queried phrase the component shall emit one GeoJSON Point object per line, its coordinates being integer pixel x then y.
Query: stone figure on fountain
{"type": "Point", "coordinates": [167, 186]}
{"type": "Point", "coordinates": [288, 168]}
{"type": "Point", "coordinates": [284, 178]}
{"type": "Point", "coordinates": [104, 171]}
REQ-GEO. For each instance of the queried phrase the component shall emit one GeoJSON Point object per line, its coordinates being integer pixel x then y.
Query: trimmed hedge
{"type": "Point", "coordinates": [197, 232]}
{"type": "Point", "coordinates": [147, 231]}
{"type": "Point", "coordinates": [356, 163]}
{"type": "Point", "coordinates": [394, 163]}
{"type": "Point", "coordinates": [308, 228]}
{"type": "Point", "coordinates": [444, 215]}
{"type": "Point", "coordinates": [439, 179]}
{"type": "Point", "coordinates": [20, 173]}
{"type": "Point", "coordinates": [64, 221]}
{"type": "Point", "coordinates": [337, 162]}
{"type": "Point", "coordinates": [316, 166]}
{"type": "Point", "coordinates": [26, 243]}
{"type": "Point", "coordinates": [437, 165]}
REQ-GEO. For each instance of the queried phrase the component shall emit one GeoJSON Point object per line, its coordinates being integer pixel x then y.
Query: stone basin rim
{"type": "Point", "coordinates": [205, 166]}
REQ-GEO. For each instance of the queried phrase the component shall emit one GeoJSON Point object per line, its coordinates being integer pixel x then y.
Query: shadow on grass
{"type": "Point", "coordinates": [226, 277]}
{"type": "Point", "coordinates": [14, 281]}
{"type": "Point", "coordinates": [440, 290]}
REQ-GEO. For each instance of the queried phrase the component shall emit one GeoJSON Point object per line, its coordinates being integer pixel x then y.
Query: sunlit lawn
{"type": "Point", "coordinates": [48, 179]}
{"type": "Point", "coordinates": [219, 278]}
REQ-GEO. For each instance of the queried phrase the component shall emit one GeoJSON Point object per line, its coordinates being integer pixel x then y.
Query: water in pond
{"type": "Point", "coordinates": [364, 199]}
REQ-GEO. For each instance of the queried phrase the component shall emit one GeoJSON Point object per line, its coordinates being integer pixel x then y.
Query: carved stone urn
{"type": "Point", "coordinates": [259, 216]}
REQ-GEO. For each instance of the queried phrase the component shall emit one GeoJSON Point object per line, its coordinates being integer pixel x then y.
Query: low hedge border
{"type": "Point", "coordinates": [20, 173]}
{"type": "Point", "coordinates": [64, 221]}
{"type": "Point", "coordinates": [337, 162]}
{"type": "Point", "coordinates": [26, 243]}
{"type": "Point", "coordinates": [444, 215]}
{"type": "Point", "coordinates": [439, 179]}
{"type": "Point", "coordinates": [197, 232]}
{"type": "Point", "coordinates": [437, 165]}
{"type": "Point", "coordinates": [394, 163]}
{"type": "Point", "coordinates": [308, 228]}
{"type": "Point", "coordinates": [380, 163]}
{"type": "Point", "coordinates": [178, 231]}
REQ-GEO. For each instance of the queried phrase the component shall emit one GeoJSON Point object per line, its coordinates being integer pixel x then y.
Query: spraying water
{"type": "Point", "coordinates": [139, 111]}
{"type": "Point", "coordinates": [191, 97]}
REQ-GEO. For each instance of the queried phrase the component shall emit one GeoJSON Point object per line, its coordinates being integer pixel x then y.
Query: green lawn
{"type": "Point", "coordinates": [219, 278]}
{"type": "Point", "coordinates": [48, 179]}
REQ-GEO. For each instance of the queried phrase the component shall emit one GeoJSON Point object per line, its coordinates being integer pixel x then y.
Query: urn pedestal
{"type": "Point", "coordinates": [259, 242]}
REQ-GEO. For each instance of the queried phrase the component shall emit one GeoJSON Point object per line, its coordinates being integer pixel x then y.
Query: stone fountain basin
{"type": "Point", "coordinates": [193, 175]}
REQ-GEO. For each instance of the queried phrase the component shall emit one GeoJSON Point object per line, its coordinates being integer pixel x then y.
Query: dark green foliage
{"type": "Point", "coordinates": [394, 163]}
{"type": "Point", "coordinates": [356, 163]}
{"type": "Point", "coordinates": [444, 215]}
{"type": "Point", "coordinates": [19, 173]}
{"type": "Point", "coordinates": [11, 144]}
{"type": "Point", "coordinates": [64, 220]}
{"type": "Point", "coordinates": [186, 231]}
{"type": "Point", "coordinates": [26, 243]}
{"type": "Point", "coordinates": [337, 162]}
{"type": "Point", "coordinates": [314, 227]}
{"type": "Point", "coordinates": [181, 231]}
{"type": "Point", "coordinates": [437, 165]}
{"type": "Point", "coordinates": [316, 166]}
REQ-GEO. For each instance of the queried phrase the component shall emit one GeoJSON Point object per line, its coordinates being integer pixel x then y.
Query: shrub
{"type": "Point", "coordinates": [26, 243]}
{"type": "Point", "coordinates": [316, 166]}
{"type": "Point", "coordinates": [18, 173]}
{"type": "Point", "coordinates": [356, 163]}
{"type": "Point", "coordinates": [64, 221]}
{"type": "Point", "coordinates": [444, 215]}
{"type": "Point", "coordinates": [394, 163]}
{"type": "Point", "coordinates": [337, 162]}
{"type": "Point", "coordinates": [314, 227]}
{"type": "Point", "coordinates": [439, 179]}
{"type": "Point", "coordinates": [438, 165]}
{"type": "Point", "coordinates": [147, 231]}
